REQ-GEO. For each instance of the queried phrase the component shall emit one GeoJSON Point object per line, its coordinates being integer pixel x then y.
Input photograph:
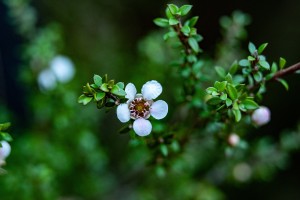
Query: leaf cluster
{"type": "Point", "coordinates": [106, 93]}
{"type": "Point", "coordinates": [230, 98]}
{"type": "Point", "coordinates": [3, 134]}
{"type": "Point", "coordinates": [186, 31]}
{"type": "Point", "coordinates": [258, 70]}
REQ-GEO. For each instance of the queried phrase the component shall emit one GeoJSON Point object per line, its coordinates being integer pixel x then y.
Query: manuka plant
{"type": "Point", "coordinates": [216, 106]}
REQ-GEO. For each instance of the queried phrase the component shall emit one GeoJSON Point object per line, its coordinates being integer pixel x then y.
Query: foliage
{"type": "Point", "coordinates": [207, 140]}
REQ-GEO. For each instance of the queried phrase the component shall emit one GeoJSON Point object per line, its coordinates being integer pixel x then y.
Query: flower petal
{"type": "Point", "coordinates": [123, 113]}
{"type": "Point", "coordinates": [142, 127]}
{"type": "Point", "coordinates": [159, 109]}
{"type": "Point", "coordinates": [130, 91]}
{"type": "Point", "coordinates": [4, 150]}
{"type": "Point", "coordinates": [151, 90]}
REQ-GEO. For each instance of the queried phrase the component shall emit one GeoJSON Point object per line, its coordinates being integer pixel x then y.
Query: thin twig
{"type": "Point", "coordinates": [281, 73]}
{"type": "Point", "coordinates": [286, 71]}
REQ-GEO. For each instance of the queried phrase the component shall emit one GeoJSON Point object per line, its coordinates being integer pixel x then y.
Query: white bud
{"type": "Point", "coordinates": [4, 150]}
{"type": "Point", "coordinates": [261, 116]}
{"type": "Point", "coordinates": [233, 139]}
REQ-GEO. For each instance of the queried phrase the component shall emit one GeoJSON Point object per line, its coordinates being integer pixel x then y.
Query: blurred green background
{"type": "Point", "coordinates": [62, 150]}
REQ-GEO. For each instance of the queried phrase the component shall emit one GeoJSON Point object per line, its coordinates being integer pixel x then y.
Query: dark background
{"type": "Point", "coordinates": [96, 30]}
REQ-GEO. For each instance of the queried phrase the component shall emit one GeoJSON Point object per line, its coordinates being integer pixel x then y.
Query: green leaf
{"type": "Point", "coordinates": [210, 90]}
{"type": "Point", "coordinates": [110, 84]}
{"type": "Point", "coordinates": [244, 63]}
{"type": "Point", "coordinates": [232, 92]}
{"type": "Point", "coordinates": [238, 79]}
{"type": "Point", "coordinates": [284, 83]}
{"type": "Point", "coordinates": [250, 80]}
{"type": "Point", "coordinates": [234, 67]}
{"type": "Point", "coordinates": [250, 58]}
{"type": "Point", "coordinates": [164, 150]}
{"type": "Point", "coordinates": [192, 22]}
{"type": "Point", "coordinates": [104, 87]}
{"type": "Point", "coordinates": [186, 30]}
{"type": "Point", "coordinates": [4, 126]}
{"type": "Point", "coordinates": [220, 71]}
{"type": "Point", "coordinates": [169, 34]}
{"type": "Point", "coordinates": [214, 101]}
{"type": "Point", "coordinates": [235, 105]}
{"type": "Point", "coordinates": [99, 96]}
{"type": "Point", "coordinates": [168, 13]}
{"type": "Point", "coordinates": [228, 78]}
{"type": "Point", "coordinates": [88, 89]}
{"type": "Point", "coordinates": [118, 91]}
{"type": "Point", "coordinates": [97, 80]}
{"type": "Point", "coordinates": [173, 9]}
{"type": "Point", "coordinates": [250, 104]}
{"type": "Point", "coordinates": [120, 85]}
{"type": "Point", "coordinates": [193, 44]}
{"type": "Point", "coordinates": [282, 62]}
{"type": "Point", "coordinates": [162, 22]}
{"type": "Point", "coordinates": [274, 67]}
{"type": "Point", "coordinates": [84, 99]}
{"type": "Point", "coordinates": [175, 146]}
{"type": "Point", "coordinates": [262, 47]}
{"type": "Point", "coordinates": [215, 94]}
{"type": "Point", "coordinates": [193, 32]}
{"type": "Point", "coordinates": [100, 104]}
{"type": "Point", "coordinates": [223, 97]}
{"type": "Point", "coordinates": [220, 85]}
{"type": "Point", "coordinates": [242, 107]}
{"type": "Point", "coordinates": [6, 136]}
{"type": "Point", "coordinates": [258, 76]}
{"type": "Point", "coordinates": [173, 21]}
{"type": "Point", "coordinates": [251, 48]}
{"type": "Point", "coordinates": [237, 114]}
{"type": "Point", "coordinates": [185, 9]}
{"type": "Point", "coordinates": [192, 58]}
{"type": "Point", "coordinates": [94, 86]}
{"type": "Point", "coordinates": [228, 102]}
{"type": "Point", "coordinates": [264, 64]}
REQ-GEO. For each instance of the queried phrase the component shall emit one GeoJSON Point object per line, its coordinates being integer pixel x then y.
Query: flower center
{"type": "Point", "coordinates": [139, 108]}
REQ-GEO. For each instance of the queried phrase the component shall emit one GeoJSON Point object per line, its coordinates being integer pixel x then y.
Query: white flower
{"type": "Point", "coordinates": [63, 68]}
{"type": "Point", "coordinates": [261, 116]}
{"type": "Point", "coordinates": [141, 106]}
{"type": "Point", "coordinates": [4, 151]}
{"type": "Point", "coordinates": [47, 80]}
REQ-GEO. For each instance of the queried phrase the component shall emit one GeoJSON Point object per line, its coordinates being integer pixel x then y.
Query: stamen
{"type": "Point", "coordinates": [139, 108]}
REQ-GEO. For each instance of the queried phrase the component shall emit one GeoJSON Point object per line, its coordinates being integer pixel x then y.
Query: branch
{"type": "Point", "coordinates": [183, 39]}
{"type": "Point", "coordinates": [286, 71]}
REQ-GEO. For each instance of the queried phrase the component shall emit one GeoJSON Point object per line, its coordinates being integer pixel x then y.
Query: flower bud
{"type": "Point", "coordinates": [4, 150]}
{"type": "Point", "coordinates": [261, 116]}
{"type": "Point", "coordinates": [233, 139]}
